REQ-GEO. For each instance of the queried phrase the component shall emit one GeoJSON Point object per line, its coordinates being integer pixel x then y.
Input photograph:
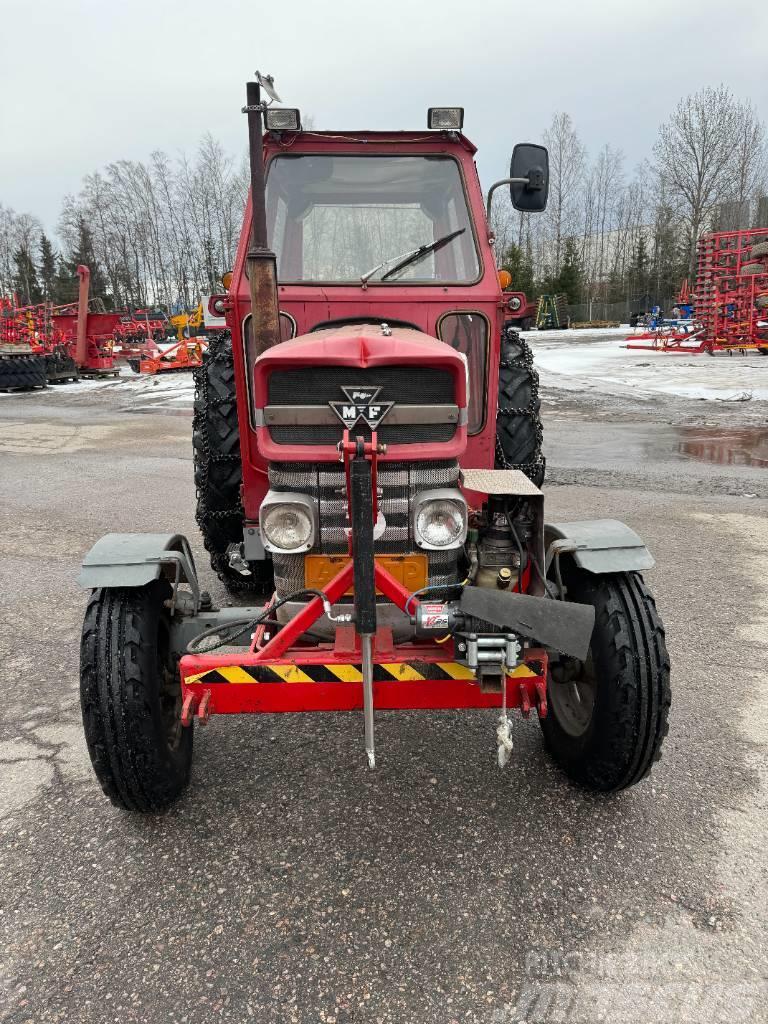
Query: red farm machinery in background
{"type": "Point", "coordinates": [89, 333]}
{"type": "Point", "coordinates": [183, 355]}
{"type": "Point", "coordinates": [140, 331]}
{"type": "Point", "coordinates": [152, 344]}
{"type": "Point", "coordinates": [191, 331]}
{"type": "Point", "coordinates": [731, 294]}
{"type": "Point", "coordinates": [46, 344]}
{"type": "Point", "coordinates": [728, 309]}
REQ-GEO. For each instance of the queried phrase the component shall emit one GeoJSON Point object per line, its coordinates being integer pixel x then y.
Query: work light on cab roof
{"type": "Point", "coordinates": [446, 118]}
{"type": "Point", "coordinates": [367, 460]}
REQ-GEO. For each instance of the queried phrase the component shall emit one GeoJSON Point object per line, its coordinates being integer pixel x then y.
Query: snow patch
{"type": "Point", "coordinates": [596, 364]}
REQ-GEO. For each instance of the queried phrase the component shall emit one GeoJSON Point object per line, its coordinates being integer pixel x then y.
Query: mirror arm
{"type": "Point", "coordinates": [498, 184]}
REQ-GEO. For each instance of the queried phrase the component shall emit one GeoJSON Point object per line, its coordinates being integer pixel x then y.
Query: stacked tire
{"type": "Point", "coordinates": [758, 260]}
{"type": "Point", "coordinates": [22, 373]}
{"type": "Point", "coordinates": [519, 432]}
{"type": "Point", "coordinates": [758, 265]}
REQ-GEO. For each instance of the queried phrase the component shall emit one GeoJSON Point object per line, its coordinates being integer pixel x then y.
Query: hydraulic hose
{"type": "Point", "coordinates": [235, 629]}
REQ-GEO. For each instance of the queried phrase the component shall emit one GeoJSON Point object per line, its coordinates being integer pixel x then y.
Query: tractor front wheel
{"type": "Point", "coordinates": [130, 695]}
{"type": "Point", "coordinates": [607, 716]}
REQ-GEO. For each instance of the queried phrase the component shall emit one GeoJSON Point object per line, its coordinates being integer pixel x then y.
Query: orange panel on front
{"type": "Point", "coordinates": [412, 571]}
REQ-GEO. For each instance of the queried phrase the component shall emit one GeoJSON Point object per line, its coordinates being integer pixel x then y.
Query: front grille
{"type": "Point", "coordinates": [398, 482]}
{"type": "Point", "coordinates": [403, 385]}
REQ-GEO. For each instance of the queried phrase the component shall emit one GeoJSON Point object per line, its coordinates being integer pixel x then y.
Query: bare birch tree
{"type": "Point", "coordinates": [750, 155]}
{"type": "Point", "coordinates": [566, 169]}
{"type": "Point", "coordinates": [697, 156]}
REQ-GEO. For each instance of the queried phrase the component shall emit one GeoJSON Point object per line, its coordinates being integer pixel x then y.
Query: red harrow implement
{"type": "Point", "coordinates": [731, 292]}
{"type": "Point", "coordinates": [730, 300]}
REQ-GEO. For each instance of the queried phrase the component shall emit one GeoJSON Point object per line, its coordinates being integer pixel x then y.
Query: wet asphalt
{"type": "Point", "coordinates": [291, 883]}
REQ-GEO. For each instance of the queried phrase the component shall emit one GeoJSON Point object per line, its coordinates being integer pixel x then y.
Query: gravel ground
{"type": "Point", "coordinates": [292, 884]}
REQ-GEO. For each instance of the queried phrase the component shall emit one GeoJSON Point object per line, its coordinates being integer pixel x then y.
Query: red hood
{"type": "Point", "coordinates": [361, 345]}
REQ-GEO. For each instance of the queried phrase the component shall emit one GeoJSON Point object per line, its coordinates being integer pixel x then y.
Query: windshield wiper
{"type": "Point", "coordinates": [366, 277]}
{"type": "Point", "coordinates": [412, 256]}
{"type": "Point", "coordinates": [423, 250]}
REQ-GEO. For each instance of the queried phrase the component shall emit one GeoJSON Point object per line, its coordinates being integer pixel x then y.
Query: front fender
{"type": "Point", "coordinates": [599, 546]}
{"type": "Point", "coordinates": [135, 559]}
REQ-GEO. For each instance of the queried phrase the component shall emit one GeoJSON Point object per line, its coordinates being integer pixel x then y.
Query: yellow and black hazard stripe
{"type": "Point", "coordinates": [399, 671]}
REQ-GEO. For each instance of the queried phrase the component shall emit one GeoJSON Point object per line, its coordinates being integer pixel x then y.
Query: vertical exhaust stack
{"type": "Point", "coordinates": [81, 347]}
{"type": "Point", "coordinates": [261, 266]}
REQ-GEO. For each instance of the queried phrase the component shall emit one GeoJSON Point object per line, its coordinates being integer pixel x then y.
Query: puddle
{"type": "Point", "coordinates": [745, 447]}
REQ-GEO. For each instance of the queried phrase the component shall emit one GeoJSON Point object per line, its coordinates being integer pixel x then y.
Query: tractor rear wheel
{"type": "Point", "coordinates": [607, 716]}
{"type": "Point", "coordinates": [218, 468]}
{"type": "Point", "coordinates": [518, 424]}
{"type": "Point", "coordinates": [130, 695]}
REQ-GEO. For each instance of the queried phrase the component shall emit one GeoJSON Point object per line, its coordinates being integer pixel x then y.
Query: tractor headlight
{"type": "Point", "coordinates": [287, 522]}
{"type": "Point", "coordinates": [440, 519]}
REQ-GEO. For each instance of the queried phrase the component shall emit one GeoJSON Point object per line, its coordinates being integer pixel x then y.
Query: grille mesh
{"type": "Point", "coordinates": [404, 385]}
{"type": "Point", "coordinates": [397, 481]}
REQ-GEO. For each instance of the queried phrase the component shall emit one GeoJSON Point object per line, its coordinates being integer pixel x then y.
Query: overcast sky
{"type": "Point", "coordinates": [85, 83]}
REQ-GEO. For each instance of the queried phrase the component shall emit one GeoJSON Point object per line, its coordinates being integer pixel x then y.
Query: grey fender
{"type": "Point", "coordinates": [135, 559]}
{"type": "Point", "coordinates": [599, 546]}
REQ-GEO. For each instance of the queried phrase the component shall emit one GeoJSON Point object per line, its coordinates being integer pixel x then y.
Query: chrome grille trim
{"type": "Point", "coordinates": [397, 482]}
{"type": "Point", "coordinates": [297, 408]}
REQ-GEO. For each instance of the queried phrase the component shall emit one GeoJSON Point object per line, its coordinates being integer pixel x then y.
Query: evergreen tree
{"type": "Point", "coordinates": [639, 277]}
{"type": "Point", "coordinates": [47, 269]}
{"type": "Point", "coordinates": [25, 282]}
{"type": "Point", "coordinates": [65, 283]}
{"type": "Point", "coordinates": [85, 255]}
{"type": "Point", "coordinates": [82, 255]}
{"type": "Point", "coordinates": [668, 264]}
{"type": "Point", "coordinates": [569, 280]}
{"type": "Point", "coordinates": [519, 266]}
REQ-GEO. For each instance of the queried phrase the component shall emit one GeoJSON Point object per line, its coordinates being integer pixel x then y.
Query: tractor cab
{"type": "Point", "coordinates": [388, 228]}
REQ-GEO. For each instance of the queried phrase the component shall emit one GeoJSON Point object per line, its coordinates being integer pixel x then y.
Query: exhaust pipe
{"type": "Point", "coordinates": [260, 262]}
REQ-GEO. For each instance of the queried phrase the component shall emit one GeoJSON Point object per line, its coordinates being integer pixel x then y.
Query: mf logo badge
{"type": "Point", "coordinates": [361, 404]}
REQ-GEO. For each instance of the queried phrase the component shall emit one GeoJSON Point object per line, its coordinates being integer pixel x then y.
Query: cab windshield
{"type": "Point", "coordinates": [336, 219]}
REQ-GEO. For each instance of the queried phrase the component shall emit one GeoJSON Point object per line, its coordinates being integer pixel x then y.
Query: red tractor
{"type": "Point", "coordinates": [368, 458]}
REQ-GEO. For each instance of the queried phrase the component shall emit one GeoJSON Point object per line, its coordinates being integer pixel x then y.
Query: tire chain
{"type": "Point", "coordinates": [535, 468]}
{"type": "Point", "coordinates": [207, 517]}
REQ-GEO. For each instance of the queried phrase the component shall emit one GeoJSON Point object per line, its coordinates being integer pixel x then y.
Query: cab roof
{"type": "Point", "coordinates": [443, 139]}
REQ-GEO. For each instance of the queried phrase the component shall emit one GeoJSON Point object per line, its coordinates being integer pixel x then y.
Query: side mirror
{"type": "Point", "coordinates": [530, 163]}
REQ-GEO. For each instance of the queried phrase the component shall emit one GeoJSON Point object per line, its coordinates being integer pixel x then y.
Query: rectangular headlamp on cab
{"type": "Point", "coordinates": [446, 118]}
{"type": "Point", "coordinates": [282, 119]}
